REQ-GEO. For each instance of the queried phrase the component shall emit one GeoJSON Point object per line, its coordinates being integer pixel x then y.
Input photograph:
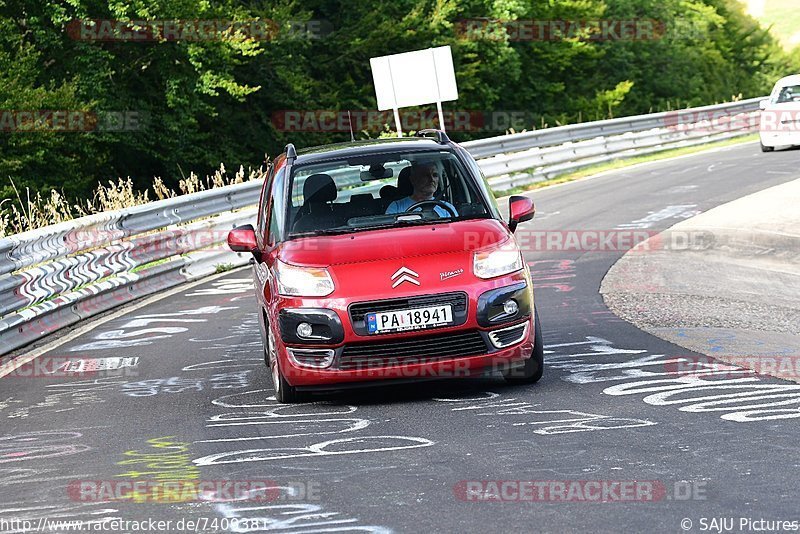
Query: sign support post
{"type": "Point", "coordinates": [438, 91]}
{"type": "Point", "coordinates": [397, 122]}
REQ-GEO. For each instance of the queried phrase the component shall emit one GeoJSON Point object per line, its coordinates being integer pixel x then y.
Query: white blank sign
{"type": "Point", "coordinates": [414, 78]}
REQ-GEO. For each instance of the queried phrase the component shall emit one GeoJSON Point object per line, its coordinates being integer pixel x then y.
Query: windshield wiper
{"type": "Point", "coordinates": [329, 231]}
{"type": "Point", "coordinates": [422, 221]}
{"type": "Point", "coordinates": [337, 231]}
{"type": "Point", "coordinates": [353, 229]}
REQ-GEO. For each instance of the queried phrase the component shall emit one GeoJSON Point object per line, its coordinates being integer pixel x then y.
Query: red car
{"type": "Point", "coordinates": [388, 259]}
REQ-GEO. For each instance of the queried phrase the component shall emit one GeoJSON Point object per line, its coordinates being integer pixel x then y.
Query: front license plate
{"type": "Point", "coordinates": [413, 319]}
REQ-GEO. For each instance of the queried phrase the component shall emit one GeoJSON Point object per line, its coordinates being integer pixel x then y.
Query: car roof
{"type": "Point", "coordinates": [368, 147]}
{"type": "Point", "coordinates": [794, 79]}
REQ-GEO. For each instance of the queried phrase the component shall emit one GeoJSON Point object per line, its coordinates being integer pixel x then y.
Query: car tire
{"type": "Point", "coordinates": [533, 368]}
{"type": "Point", "coordinates": [284, 393]}
{"type": "Point", "coordinates": [767, 148]}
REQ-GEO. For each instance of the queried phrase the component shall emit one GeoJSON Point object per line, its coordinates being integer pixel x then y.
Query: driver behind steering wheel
{"type": "Point", "coordinates": [424, 179]}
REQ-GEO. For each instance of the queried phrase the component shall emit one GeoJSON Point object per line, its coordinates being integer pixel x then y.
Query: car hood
{"type": "Point", "coordinates": [394, 243]}
{"type": "Point", "coordinates": [399, 261]}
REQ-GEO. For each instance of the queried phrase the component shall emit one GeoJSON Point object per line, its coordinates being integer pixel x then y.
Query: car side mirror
{"type": "Point", "coordinates": [521, 209]}
{"type": "Point", "coordinates": [762, 104]}
{"type": "Point", "coordinates": [243, 239]}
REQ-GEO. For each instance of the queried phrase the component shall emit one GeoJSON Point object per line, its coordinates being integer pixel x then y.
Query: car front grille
{"type": "Point", "coordinates": [457, 300]}
{"type": "Point", "coordinates": [422, 349]}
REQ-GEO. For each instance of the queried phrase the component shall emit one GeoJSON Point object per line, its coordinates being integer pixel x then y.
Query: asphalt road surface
{"type": "Point", "coordinates": [189, 399]}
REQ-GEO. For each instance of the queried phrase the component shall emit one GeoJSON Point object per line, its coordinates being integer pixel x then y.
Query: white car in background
{"type": "Point", "coordinates": [780, 115]}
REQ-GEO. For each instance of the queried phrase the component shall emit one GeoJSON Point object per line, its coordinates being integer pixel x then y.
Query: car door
{"type": "Point", "coordinates": [270, 233]}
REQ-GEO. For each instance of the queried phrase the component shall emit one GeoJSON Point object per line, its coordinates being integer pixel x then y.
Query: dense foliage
{"type": "Point", "coordinates": [199, 102]}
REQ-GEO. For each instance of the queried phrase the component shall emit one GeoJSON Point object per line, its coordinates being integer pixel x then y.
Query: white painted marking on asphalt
{"type": "Point", "coordinates": [225, 287]}
{"type": "Point", "coordinates": [97, 364]}
{"type": "Point", "coordinates": [295, 426]}
{"type": "Point", "coordinates": [720, 165]}
{"type": "Point", "coordinates": [324, 448]}
{"type": "Point", "coordinates": [755, 415]}
{"type": "Point", "coordinates": [680, 189]}
{"type": "Point", "coordinates": [114, 339]}
{"type": "Point", "coordinates": [22, 359]}
{"type": "Point", "coordinates": [546, 215]}
{"type": "Point", "coordinates": [275, 410]}
{"type": "Point", "coordinates": [287, 517]}
{"type": "Point", "coordinates": [225, 364]}
{"type": "Point", "coordinates": [680, 210]}
{"type": "Point", "coordinates": [589, 341]}
{"type": "Point", "coordinates": [546, 422]}
{"type": "Point", "coordinates": [685, 170]}
{"type": "Point", "coordinates": [487, 395]}
{"type": "Point", "coordinates": [674, 386]}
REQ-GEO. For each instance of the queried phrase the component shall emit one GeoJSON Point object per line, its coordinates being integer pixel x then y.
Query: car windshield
{"type": "Point", "coordinates": [381, 190]}
{"type": "Point", "coordinates": [790, 93]}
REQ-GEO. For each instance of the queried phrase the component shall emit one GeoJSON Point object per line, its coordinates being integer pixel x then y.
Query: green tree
{"type": "Point", "coordinates": [203, 102]}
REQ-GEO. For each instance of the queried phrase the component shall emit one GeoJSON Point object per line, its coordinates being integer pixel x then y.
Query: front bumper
{"type": "Point", "coordinates": [480, 338]}
{"type": "Point", "coordinates": [473, 366]}
{"type": "Point", "coordinates": [456, 367]}
{"type": "Point", "coordinates": [776, 139]}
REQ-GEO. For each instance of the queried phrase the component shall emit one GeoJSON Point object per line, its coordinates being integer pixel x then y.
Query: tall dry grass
{"type": "Point", "coordinates": [31, 211]}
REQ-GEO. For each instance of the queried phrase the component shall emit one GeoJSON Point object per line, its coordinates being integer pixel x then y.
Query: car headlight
{"type": "Point", "coordinates": [297, 281]}
{"type": "Point", "coordinates": [497, 262]}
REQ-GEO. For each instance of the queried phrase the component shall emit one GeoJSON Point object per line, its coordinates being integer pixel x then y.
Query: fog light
{"type": "Point", "coordinates": [510, 307]}
{"type": "Point", "coordinates": [304, 330]}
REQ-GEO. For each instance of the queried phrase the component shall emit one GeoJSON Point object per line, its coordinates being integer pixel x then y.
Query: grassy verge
{"type": "Point", "coordinates": [622, 163]}
{"type": "Point", "coordinates": [151, 264]}
{"type": "Point", "coordinates": [35, 211]}
{"type": "Point", "coordinates": [223, 267]}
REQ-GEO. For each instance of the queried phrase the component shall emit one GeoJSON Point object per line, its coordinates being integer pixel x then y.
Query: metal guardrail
{"type": "Point", "coordinates": [492, 146]}
{"type": "Point", "coordinates": [521, 159]}
{"type": "Point", "coordinates": [55, 276]}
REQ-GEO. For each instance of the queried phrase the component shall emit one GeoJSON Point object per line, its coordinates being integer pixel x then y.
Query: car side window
{"type": "Point", "coordinates": [483, 185]}
{"type": "Point", "coordinates": [262, 214]}
{"type": "Point", "coordinates": [458, 194]}
{"type": "Point", "coordinates": [789, 94]}
{"type": "Point", "coordinates": [274, 227]}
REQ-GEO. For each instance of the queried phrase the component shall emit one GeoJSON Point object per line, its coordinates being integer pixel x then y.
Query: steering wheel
{"type": "Point", "coordinates": [439, 203]}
